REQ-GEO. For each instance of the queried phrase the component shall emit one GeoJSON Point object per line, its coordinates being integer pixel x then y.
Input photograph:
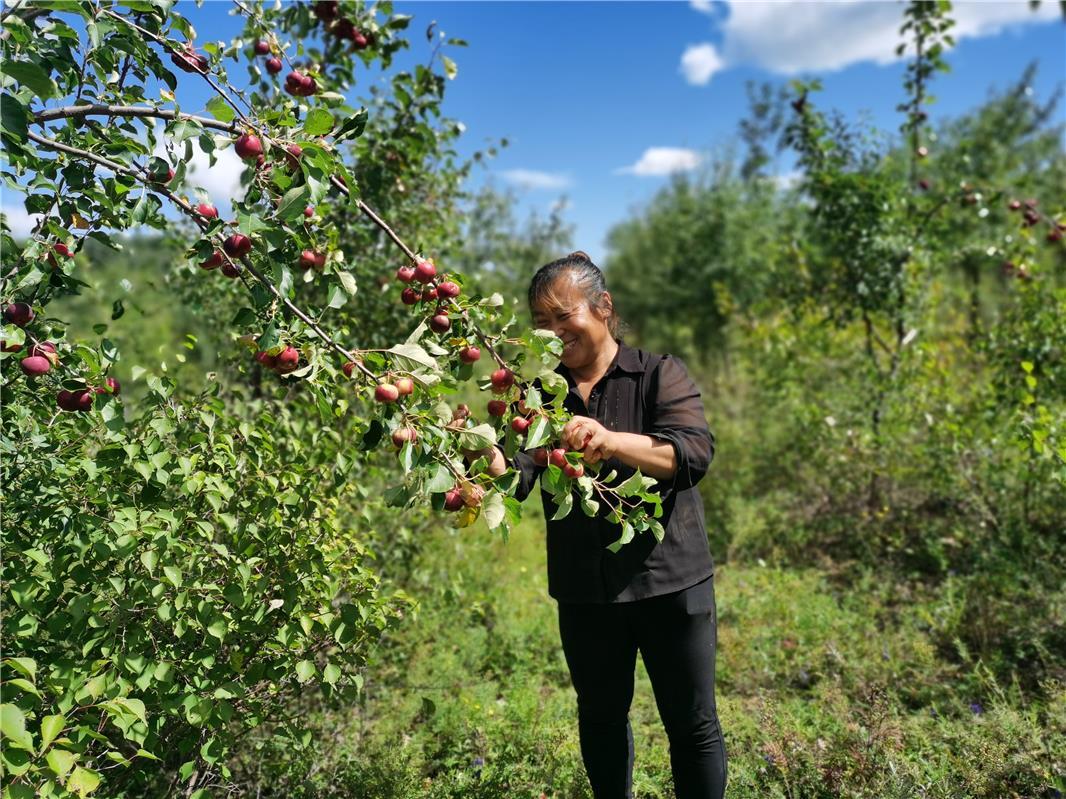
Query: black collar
{"type": "Point", "coordinates": [627, 359]}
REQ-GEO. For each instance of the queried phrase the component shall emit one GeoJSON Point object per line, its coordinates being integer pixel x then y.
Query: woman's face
{"type": "Point", "coordinates": [583, 329]}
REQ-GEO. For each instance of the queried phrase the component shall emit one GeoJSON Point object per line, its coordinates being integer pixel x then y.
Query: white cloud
{"type": "Point", "coordinates": [20, 222]}
{"type": "Point", "coordinates": [221, 181]}
{"type": "Point", "coordinates": [792, 37]}
{"type": "Point", "coordinates": [703, 6]}
{"type": "Point", "coordinates": [699, 63]}
{"type": "Point", "coordinates": [532, 179]}
{"type": "Point", "coordinates": [658, 161]}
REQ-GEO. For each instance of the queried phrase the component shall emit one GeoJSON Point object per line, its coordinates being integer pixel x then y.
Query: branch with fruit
{"type": "Point", "coordinates": [311, 168]}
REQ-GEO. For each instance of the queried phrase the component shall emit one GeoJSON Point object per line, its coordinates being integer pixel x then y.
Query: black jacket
{"type": "Point", "coordinates": [580, 567]}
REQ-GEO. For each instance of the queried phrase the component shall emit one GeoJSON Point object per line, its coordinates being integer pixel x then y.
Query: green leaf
{"type": "Point", "coordinates": [352, 127]}
{"type": "Point", "coordinates": [217, 628]}
{"type": "Point", "coordinates": [26, 666]}
{"type": "Point", "coordinates": [347, 280]}
{"type": "Point", "coordinates": [553, 382]}
{"type": "Point", "coordinates": [331, 674]}
{"type": "Point", "coordinates": [479, 437]}
{"type": "Point", "coordinates": [220, 109]}
{"type": "Point", "coordinates": [305, 670]}
{"type": "Point", "coordinates": [13, 728]}
{"type": "Point", "coordinates": [564, 507]}
{"type": "Point", "coordinates": [60, 761]}
{"type": "Point", "coordinates": [51, 726]}
{"type": "Point", "coordinates": [412, 356]}
{"type": "Point", "coordinates": [493, 509]}
{"type": "Point", "coordinates": [450, 68]}
{"type": "Point", "coordinates": [83, 781]}
{"type": "Point", "coordinates": [173, 573]}
{"type": "Point", "coordinates": [32, 76]}
{"type": "Point", "coordinates": [13, 117]}
{"type": "Point", "coordinates": [293, 203]}
{"type": "Point", "coordinates": [319, 122]}
{"type": "Point", "coordinates": [538, 432]}
{"type": "Point", "coordinates": [337, 297]}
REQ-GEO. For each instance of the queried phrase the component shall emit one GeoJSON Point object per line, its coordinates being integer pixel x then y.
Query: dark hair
{"type": "Point", "coordinates": [585, 274]}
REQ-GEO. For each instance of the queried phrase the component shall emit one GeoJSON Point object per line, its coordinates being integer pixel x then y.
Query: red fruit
{"type": "Point", "coordinates": [502, 379]}
{"type": "Point", "coordinates": [207, 211]}
{"type": "Point", "coordinates": [81, 400]}
{"type": "Point", "coordinates": [440, 323]}
{"type": "Point", "coordinates": [453, 501]}
{"type": "Point", "coordinates": [188, 60]}
{"type": "Point", "coordinates": [294, 151]}
{"type": "Point", "coordinates": [405, 274]}
{"type": "Point", "coordinates": [409, 296]}
{"type": "Point", "coordinates": [497, 407]}
{"type": "Point", "coordinates": [5, 347]}
{"type": "Point", "coordinates": [359, 40]}
{"type": "Point", "coordinates": [274, 65]}
{"type": "Point", "coordinates": [1015, 205]}
{"type": "Point", "coordinates": [1054, 235]}
{"type": "Point", "coordinates": [309, 259]}
{"type": "Point", "coordinates": [461, 412]}
{"type": "Point", "coordinates": [288, 359]}
{"type": "Point", "coordinates": [405, 385]}
{"type": "Point", "coordinates": [214, 261]}
{"type": "Point", "coordinates": [45, 349]}
{"type": "Point", "coordinates": [540, 456]}
{"type": "Point", "coordinates": [349, 368]}
{"type": "Point", "coordinates": [1031, 203]}
{"type": "Point", "coordinates": [63, 250]}
{"type": "Point", "coordinates": [266, 359]}
{"type": "Point", "coordinates": [402, 435]}
{"type": "Point", "coordinates": [429, 294]}
{"type": "Point", "coordinates": [343, 28]}
{"type": "Point", "coordinates": [923, 184]}
{"type": "Point", "coordinates": [19, 314]}
{"type": "Point", "coordinates": [469, 355]}
{"type": "Point", "coordinates": [425, 271]}
{"type": "Point", "coordinates": [35, 365]}
{"type": "Point", "coordinates": [260, 163]}
{"type": "Point", "coordinates": [262, 47]}
{"type": "Point", "coordinates": [573, 470]}
{"type": "Point", "coordinates": [237, 245]}
{"type": "Point", "coordinates": [325, 10]}
{"type": "Point", "coordinates": [309, 211]}
{"type": "Point", "coordinates": [299, 85]}
{"type": "Point", "coordinates": [111, 386]}
{"type": "Point", "coordinates": [558, 457]}
{"type": "Point", "coordinates": [230, 270]}
{"type": "Point", "coordinates": [248, 146]}
{"type": "Point", "coordinates": [520, 424]}
{"type": "Point", "coordinates": [386, 392]}
{"type": "Point", "coordinates": [159, 177]}
{"type": "Point", "coordinates": [448, 289]}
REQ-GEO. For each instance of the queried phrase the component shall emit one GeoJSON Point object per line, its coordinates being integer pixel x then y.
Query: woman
{"type": "Point", "coordinates": [630, 410]}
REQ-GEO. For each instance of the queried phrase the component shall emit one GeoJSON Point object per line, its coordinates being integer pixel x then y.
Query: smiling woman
{"type": "Point", "coordinates": [631, 410]}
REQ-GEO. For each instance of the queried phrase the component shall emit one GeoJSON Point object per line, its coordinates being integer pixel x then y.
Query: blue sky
{"type": "Point", "coordinates": [602, 100]}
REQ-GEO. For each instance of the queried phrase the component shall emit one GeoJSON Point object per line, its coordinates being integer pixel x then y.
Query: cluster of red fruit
{"type": "Point", "coordinates": [425, 272]}
{"type": "Point", "coordinates": [283, 362]}
{"type": "Point", "coordinates": [58, 249]}
{"type": "Point", "coordinates": [1031, 216]}
{"type": "Point", "coordinates": [188, 60]}
{"type": "Point", "coordinates": [42, 357]}
{"type": "Point", "coordinates": [342, 27]}
{"type": "Point", "coordinates": [457, 498]}
{"type": "Point", "coordinates": [391, 392]}
{"type": "Point", "coordinates": [273, 64]}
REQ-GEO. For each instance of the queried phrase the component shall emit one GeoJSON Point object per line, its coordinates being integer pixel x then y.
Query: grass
{"type": "Point", "coordinates": [823, 692]}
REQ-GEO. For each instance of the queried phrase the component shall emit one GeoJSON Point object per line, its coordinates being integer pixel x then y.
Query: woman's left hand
{"type": "Point", "coordinates": [596, 441]}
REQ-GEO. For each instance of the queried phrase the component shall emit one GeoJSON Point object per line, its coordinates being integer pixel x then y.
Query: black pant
{"type": "Point", "coordinates": [676, 635]}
